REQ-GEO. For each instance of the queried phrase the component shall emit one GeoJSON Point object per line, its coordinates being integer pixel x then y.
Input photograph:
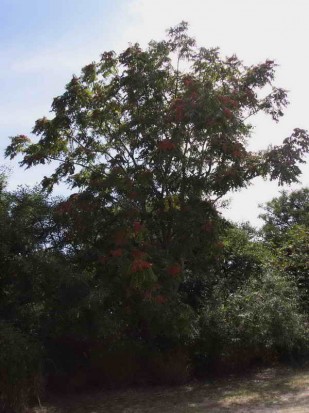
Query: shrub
{"type": "Point", "coordinates": [20, 369]}
{"type": "Point", "coordinates": [260, 321]}
{"type": "Point", "coordinates": [117, 365]}
{"type": "Point", "coordinates": [169, 367]}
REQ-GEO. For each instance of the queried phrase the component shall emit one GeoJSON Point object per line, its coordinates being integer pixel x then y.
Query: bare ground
{"type": "Point", "coordinates": [281, 389]}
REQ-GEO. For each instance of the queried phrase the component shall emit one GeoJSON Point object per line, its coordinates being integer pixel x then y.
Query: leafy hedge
{"type": "Point", "coordinates": [20, 369]}
{"type": "Point", "coordinates": [260, 321]}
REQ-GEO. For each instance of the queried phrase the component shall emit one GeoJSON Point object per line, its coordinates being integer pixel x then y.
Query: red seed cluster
{"type": "Point", "coordinates": [174, 270]}
{"type": "Point", "coordinates": [160, 299]}
{"type": "Point", "coordinates": [166, 145]}
{"type": "Point", "coordinates": [139, 265]}
{"type": "Point", "coordinates": [228, 113]}
{"type": "Point", "coordinates": [137, 227]}
{"type": "Point", "coordinates": [207, 226]}
{"type": "Point", "coordinates": [137, 254]}
{"type": "Point", "coordinates": [117, 252]}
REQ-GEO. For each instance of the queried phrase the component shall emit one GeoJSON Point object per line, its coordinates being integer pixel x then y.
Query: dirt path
{"type": "Point", "coordinates": [272, 390]}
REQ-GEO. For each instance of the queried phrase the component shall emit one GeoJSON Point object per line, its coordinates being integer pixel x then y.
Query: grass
{"type": "Point", "coordinates": [280, 389]}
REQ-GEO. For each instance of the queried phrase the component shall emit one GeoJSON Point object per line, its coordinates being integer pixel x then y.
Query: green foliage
{"type": "Point", "coordinates": [3, 178]}
{"type": "Point", "coordinates": [244, 256]}
{"type": "Point", "coordinates": [20, 369]}
{"type": "Point", "coordinates": [286, 229]}
{"type": "Point", "coordinates": [26, 232]}
{"type": "Point", "coordinates": [282, 213]}
{"type": "Point", "coordinates": [292, 257]}
{"type": "Point", "coordinates": [259, 320]}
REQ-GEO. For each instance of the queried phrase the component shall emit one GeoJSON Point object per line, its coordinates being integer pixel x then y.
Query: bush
{"type": "Point", "coordinates": [20, 369]}
{"type": "Point", "coordinates": [119, 364]}
{"type": "Point", "coordinates": [169, 367]}
{"type": "Point", "coordinates": [99, 363]}
{"type": "Point", "coordinates": [259, 322]}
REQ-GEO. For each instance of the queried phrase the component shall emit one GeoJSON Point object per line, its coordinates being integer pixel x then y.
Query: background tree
{"type": "Point", "coordinates": [25, 223]}
{"type": "Point", "coordinates": [25, 219]}
{"type": "Point", "coordinates": [286, 230]}
{"type": "Point", "coordinates": [285, 211]}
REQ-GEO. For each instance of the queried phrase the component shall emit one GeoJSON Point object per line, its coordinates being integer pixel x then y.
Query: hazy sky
{"type": "Point", "coordinates": [43, 42]}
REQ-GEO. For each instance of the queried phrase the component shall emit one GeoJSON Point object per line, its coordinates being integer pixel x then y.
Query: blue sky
{"type": "Point", "coordinates": [43, 42]}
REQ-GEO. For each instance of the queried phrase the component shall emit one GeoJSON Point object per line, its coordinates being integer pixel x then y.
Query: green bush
{"type": "Point", "coordinates": [258, 322]}
{"type": "Point", "coordinates": [20, 369]}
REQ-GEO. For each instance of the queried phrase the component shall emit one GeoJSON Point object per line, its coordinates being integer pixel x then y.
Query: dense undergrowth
{"type": "Point", "coordinates": [63, 330]}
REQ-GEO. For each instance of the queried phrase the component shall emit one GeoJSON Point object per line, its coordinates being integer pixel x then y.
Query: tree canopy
{"type": "Point", "coordinates": [286, 229]}
{"type": "Point", "coordinates": [153, 139]}
{"type": "Point", "coordinates": [175, 112]}
{"type": "Point", "coordinates": [284, 212]}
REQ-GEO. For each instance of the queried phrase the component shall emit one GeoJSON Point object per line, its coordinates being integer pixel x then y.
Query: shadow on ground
{"type": "Point", "coordinates": [281, 389]}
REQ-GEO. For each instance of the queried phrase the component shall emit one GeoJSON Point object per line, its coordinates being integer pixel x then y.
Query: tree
{"type": "Point", "coordinates": [286, 230]}
{"type": "Point", "coordinates": [285, 211]}
{"type": "Point", "coordinates": [153, 139]}
{"type": "Point", "coordinates": [244, 256]}
{"type": "Point", "coordinates": [260, 320]}
{"type": "Point", "coordinates": [25, 229]}
{"type": "Point", "coordinates": [292, 257]}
